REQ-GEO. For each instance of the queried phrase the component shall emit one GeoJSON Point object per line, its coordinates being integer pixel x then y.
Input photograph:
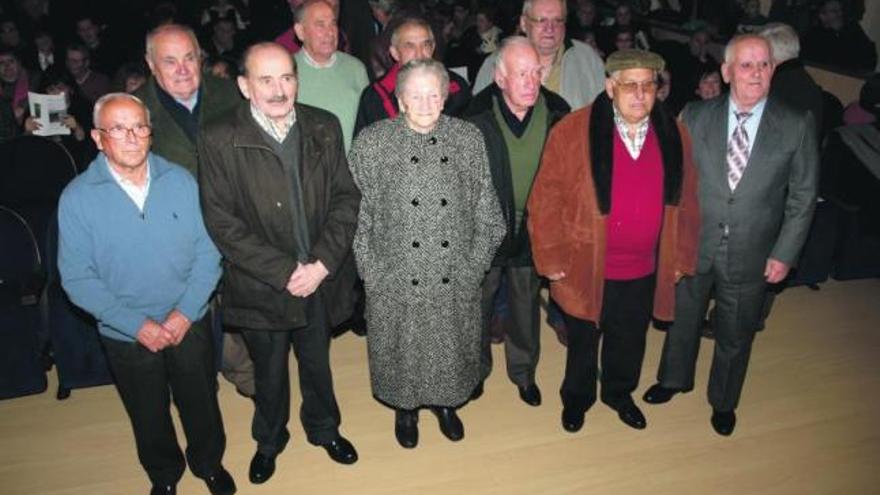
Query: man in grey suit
{"type": "Point", "coordinates": [757, 161]}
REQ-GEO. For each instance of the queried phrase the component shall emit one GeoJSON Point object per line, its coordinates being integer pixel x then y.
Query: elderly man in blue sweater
{"type": "Point", "coordinates": [134, 253]}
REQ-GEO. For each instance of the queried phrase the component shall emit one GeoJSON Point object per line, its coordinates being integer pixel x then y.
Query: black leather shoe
{"type": "Point", "coordinates": [341, 451]}
{"type": "Point", "coordinates": [658, 394]}
{"type": "Point", "coordinates": [572, 420]}
{"type": "Point", "coordinates": [450, 424]}
{"type": "Point", "coordinates": [221, 483]}
{"type": "Point", "coordinates": [262, 468]}
{"type": "Point", "coordinates": [478, 391]}
{"type": "Point", "coordinates": [163, 490]}
{"type": "Point", "coordinates": [723, 422]}
{"type": "Point", "coordinates": [631, 415]}
{"type": "Point", "coordinates": [530, 394]}
{"type": "Point", "coordinates": [406, 428]}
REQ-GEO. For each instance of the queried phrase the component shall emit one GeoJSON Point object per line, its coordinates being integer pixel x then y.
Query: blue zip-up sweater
{"type": "Point", "coordinates": [123, 266]}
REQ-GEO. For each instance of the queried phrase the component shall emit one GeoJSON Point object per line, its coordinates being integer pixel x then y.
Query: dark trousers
{"type": "Point", "coordinates": [147, 382]}
{"type": "Point", "coordinates": [738, 309]}
{"type": "Point", "coordinates": [623, 324]}
{"type": "Point", "coordinates": [269, 350]}
{"type": "Point", "coordinates": [522, 340]}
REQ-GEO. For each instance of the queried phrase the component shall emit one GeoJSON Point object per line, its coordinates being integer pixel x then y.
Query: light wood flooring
{"type": "Point", "coordinates": [808, 424]}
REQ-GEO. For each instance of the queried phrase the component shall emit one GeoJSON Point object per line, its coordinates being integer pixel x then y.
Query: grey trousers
{"type": "Point", "coordinates": [522, 342]}
{"type": "Point", "coordinates": [738, 309]}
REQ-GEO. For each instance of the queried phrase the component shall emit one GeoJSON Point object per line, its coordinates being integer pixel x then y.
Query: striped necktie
{"type": "Point", "coordinates": [738, 150]}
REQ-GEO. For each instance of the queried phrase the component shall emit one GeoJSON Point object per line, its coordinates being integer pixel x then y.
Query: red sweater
{"type": "Point", "coordinates": [636, 211]}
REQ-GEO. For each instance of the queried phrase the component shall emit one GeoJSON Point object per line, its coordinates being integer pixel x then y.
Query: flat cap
{"type": "Point", "coordinates": [633, 59]}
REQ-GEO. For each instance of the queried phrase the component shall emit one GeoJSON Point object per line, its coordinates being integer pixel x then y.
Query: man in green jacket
{"type": "Point", "coordinates": [180, 98]}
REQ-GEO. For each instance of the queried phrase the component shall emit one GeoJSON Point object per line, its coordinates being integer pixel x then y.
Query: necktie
{"type": "Point", "coordinates": [738, 150]}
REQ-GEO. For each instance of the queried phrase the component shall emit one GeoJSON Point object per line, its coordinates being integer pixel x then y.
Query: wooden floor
{"type": "Point", "coordinates": [808, 424]}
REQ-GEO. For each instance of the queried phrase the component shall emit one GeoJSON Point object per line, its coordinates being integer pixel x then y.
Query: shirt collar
{"type": "Point", "coordinates": [317, 65]}
{"type": "Point", "coordinates": [756, 110]}
{"type": "Point", "coordinates": [278, 132]}
{"type": "Point", "coordinates": [634, 145]}
{"type": "Point", "coordinates": [124, 181]}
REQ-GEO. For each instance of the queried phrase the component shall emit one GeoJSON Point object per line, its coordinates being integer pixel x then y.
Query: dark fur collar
{"type": "Point", "coordinates": [601, 136]}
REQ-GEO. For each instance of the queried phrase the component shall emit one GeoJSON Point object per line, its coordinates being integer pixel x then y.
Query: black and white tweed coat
{"type": "Point", "coordinates": [428, 227]}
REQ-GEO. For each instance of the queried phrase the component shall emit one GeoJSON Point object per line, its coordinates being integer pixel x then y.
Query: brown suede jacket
{"type": "Point", "coordinates": [570, 201]}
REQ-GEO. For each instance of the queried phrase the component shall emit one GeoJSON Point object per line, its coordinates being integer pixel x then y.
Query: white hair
{"type": "Point", "coordinates": [528, 4]}
{"type": "Point", "coordinates": [426, 65]}
{"type": "Point", "coordinates": [730, 49]}
{"type": "Point", "coordinates": [171, 28]}
{"type": "Point", "coordinates": [111, 97]}
{"type": "Point", "coordinates": [784, 41]}
{"type": "Point", "coordinates": [508, 44]}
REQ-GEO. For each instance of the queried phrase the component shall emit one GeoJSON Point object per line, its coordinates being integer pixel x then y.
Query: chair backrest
{"type": "Point", "coordinates": [20, 262]}
{"type": "Point", "coordinates": [33, 173]}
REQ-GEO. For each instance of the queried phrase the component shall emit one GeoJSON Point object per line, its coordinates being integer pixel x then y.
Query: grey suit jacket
{"type": "Point", "coordinates": [769, 214]}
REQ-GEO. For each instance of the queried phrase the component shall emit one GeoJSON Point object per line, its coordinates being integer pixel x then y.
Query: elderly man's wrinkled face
{"type": "Point", "coordinates": [123, 117]}
{"type": "Point", "coordinates": [413, 42]}
{"type": "Point", "coordinates": [545, 26]}
{"type": "Point", "coordinates": [270, 82]}
{"type": "Point", "coordinates": [519, 77]}
{"type": "Point", "coordinates": [421, 101]}
{"type": "Point", "coordinates": [634, 92]}
{"type": "Point", "coordinates": [10, 69]}
{"type": "Point", "coordinates": [749, 72]}
{"type": "Point", "coordinates": [318, 31]}
{"type": "Point", "coordinates": [175, 64]}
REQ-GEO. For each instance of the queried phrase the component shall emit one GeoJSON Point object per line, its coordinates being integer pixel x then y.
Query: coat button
{"type": "Point", "coordinates": [721, 225]}
{"type": "Point", "coordinates": [416, 244]}
{"type": "Point", "coordinates": [433, 140]}
{"type": "Point", "coordinates": [415, 281]}
{"type": "Point", "coordinates": [415, 202]}
{"type": "Point", "coordinates": [445, 280]}
{"type": "Point", "coordinates": [414, 159]}
{"type": "Point", "coordinates": [444, 159]}
{"type": "Point", "coordinates": [730, 201]}
{"type": "Point", "coordinates": [445, 243]}
{"type": "Point", "coordinates": [278, 204]}
{"type": "Point", "coordinates": [443, 202]}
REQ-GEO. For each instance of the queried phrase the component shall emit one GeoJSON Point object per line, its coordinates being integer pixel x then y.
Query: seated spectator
{"type": "Point", "coordinates": [289, 40]}
{"type": "Point", "coordinates": [223, 45]}
{"type": "Point", "coordinates": [130, 77]}
{"type": "Point", "coordinates": [475, 44]}
{"type": "Point", "coordinates": [623, 18]}
{"type": "Point", "coordinates": [710, 83]}
{"type": "Point", "coordinates": [230, 10]}
{"type": "Point", "coordinates": [10, 37]}
{"type": "Point", "coordinates": [15, 82]}
{"type": "Point", "coordinates": [78, 117]}
{"type": "Point", "coordinates": [105, 56]}
{"type": "Point", "coordinates": [44, 53]}
{"type": "Point", "coordinates": [91, 84]}
{"type": "Point", "coordinates": [839, 43]}
{"type": "Point", "coordinates": [751, 20]}
{"type": "Point", "coordinates": [582, 17]}
{"type": "Point", "coordinates": [624, 38]}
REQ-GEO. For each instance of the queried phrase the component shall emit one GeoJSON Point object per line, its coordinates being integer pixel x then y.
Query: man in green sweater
{"type": "Point", "coordinates": [515, 115]}
{"type": "Point", "coordinates": [328, 79]}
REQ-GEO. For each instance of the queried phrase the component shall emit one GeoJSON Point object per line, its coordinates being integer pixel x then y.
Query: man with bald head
{"type": "Point", "coordinates": [133, 252]}
{"type": "Point", "coordinates": [571, 68]}
{"type": "Point", "coordinates": [515, 115]}
{"type": "Point", "coordinates": [281, 205]}
{"type": "Point", "coordinates": [180, 98]}
{"type": "Point", "coordinates": [758, 179]}
{"type": "Point", "coordinates": [412, 39]}
{"type": "Point", "coordinates": [328, 79]}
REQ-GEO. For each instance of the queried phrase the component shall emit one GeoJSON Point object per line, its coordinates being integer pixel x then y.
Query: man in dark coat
{"type": "Point", "coordinates": [515, 115]}
{"type": "Point", "coordinates": [181, 100]}
{"type": "Point", "coordinates": [282, 207]}
{"type": "Point", "coordinates": [411, 39]}
{"type": "Point", "coordinates": [837, 42]}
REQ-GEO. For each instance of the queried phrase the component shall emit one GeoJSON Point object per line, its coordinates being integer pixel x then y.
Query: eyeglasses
{"type": "Point", "coordinates": [120, 132]}
{"type": "Point", "coordinates": [554, 22]}
{"type": "Point", "coordinates": [631, 87]}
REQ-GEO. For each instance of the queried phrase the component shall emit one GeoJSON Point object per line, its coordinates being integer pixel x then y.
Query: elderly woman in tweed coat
{"type": "Point", "coordinates": [428, 226]}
